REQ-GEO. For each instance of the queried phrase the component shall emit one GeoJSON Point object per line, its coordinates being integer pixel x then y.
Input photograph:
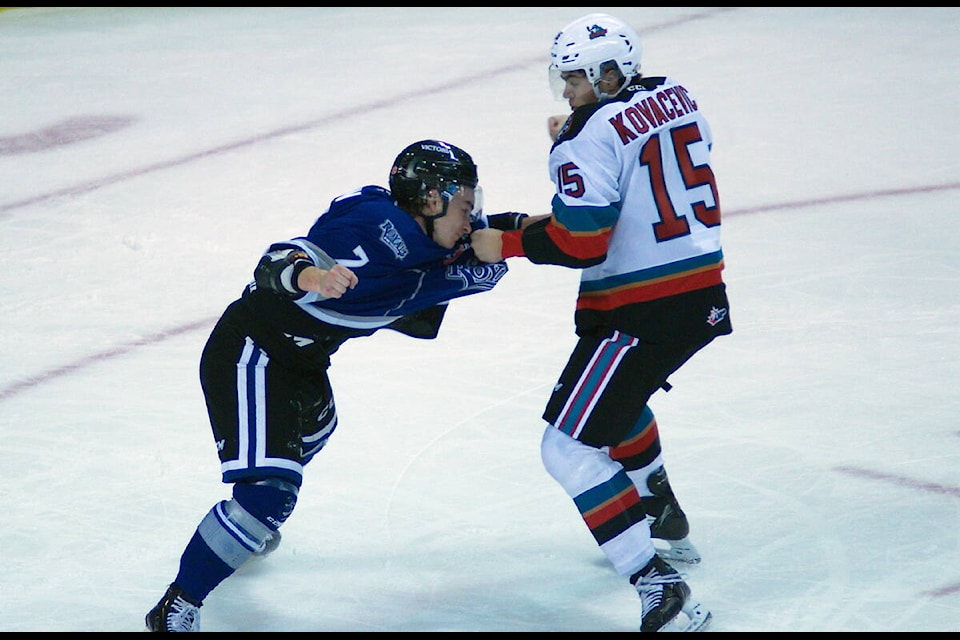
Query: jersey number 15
{"type": "Point", "coordinates": [671, 224]}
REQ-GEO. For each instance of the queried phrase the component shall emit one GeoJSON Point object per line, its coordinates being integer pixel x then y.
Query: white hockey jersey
{"type": "Point", "coordinates": [636, 204]}
{"type": "Point", "coordinates": [642, 162]}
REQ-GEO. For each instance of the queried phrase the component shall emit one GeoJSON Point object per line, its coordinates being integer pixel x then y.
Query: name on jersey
{"type": "Point", "coordinates": [652, 112]}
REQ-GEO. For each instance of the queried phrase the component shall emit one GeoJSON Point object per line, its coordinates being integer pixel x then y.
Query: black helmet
{"type": "Point", "coordinates": [426, 165]}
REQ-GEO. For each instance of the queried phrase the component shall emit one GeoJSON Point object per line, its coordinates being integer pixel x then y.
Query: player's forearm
{"type": "Point", "coordinates": [291, 274]}
{"type": "Point", "coordinates": [540, 244]}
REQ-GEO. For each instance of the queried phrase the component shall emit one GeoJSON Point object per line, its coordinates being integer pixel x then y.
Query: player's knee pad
{"type": "Point", "coordinates": [269, 501]}
{"type": "Point", "coordinates": [576, 466]}
{"type": "Point", "coordinates": [236, 529]}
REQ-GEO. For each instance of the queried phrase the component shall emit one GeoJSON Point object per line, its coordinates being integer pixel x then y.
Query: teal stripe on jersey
{"type": "Point", "coordinates": [585, 219]}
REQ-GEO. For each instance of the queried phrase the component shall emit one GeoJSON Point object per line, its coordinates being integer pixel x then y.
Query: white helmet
{"type": "Point", "coordinates": [587, 43]}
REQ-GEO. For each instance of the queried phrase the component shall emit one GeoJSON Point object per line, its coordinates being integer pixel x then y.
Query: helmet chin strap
{"type": "Point", "coordinates": [620, 81]}
{"type": "Point", "coordinates": [428, 220]}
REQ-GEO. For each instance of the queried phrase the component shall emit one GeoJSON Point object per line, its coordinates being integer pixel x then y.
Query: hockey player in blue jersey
{"type": "Point", "coordinates": [636, 209]}
{"type": "Point", "coordinates": [376, 259]}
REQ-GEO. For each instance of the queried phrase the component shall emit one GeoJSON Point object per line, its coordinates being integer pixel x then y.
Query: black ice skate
{"type": "Point", "coordinates": [174, 612]}
{"type": "Point", "coordinates": [666, 601]}
{"type": "Point", "coordinates": [667, 520]}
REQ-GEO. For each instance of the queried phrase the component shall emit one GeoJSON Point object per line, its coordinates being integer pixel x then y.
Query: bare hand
{"type": "Point", "coordinates": [330, 284]}
{"type": "Point", "coordinates": [554, 123]}
{"type": "Point", "coordinates": [487, 244]}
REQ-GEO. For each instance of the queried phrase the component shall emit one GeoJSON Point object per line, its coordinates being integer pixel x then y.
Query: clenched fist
{"type": "Point", "coordinates": [330, 284]}
{"type": "Point", "coordinates": [554, 123]}
{"type": "Point", "coordinates": [487, 244]}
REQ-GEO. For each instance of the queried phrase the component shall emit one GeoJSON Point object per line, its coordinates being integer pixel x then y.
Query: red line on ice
{"type": "Point", "coordinates": [948, 590]}
{"type": "Point", "coordinates": [850, 197]}
{"type": "Point", "coordinates": [909, 483]}
{"type": "Point", "coordinates": [73, 367]}
{"type": "Point", "coordinates": [902, 481]}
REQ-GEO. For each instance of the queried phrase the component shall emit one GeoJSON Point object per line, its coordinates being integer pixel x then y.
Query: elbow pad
{"type": "Point", "coordinates": [278, 271]}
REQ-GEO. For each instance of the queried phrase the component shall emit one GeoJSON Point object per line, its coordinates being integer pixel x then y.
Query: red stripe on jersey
{"type": "Point", "coordinates": [582, 246]}
{"type": "Point", "coordinates": [512, 244]}
{"type": "Point", "coordinates": [650, 289]}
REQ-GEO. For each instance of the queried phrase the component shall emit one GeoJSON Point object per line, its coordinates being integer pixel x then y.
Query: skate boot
{"type": "Point", "coordinates": [174, 612]}
{"type": "Point", "coordinates": [667, 520]}
{"type": "Point", "coordinates": [666, 601]}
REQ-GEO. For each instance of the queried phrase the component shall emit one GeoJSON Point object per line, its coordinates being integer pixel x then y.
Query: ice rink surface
{"type": "Point", "coordinates": [148, 156]}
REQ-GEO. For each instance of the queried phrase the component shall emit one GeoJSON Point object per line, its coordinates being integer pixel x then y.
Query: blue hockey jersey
{"type": "Point", "coordinates": [401, 270]}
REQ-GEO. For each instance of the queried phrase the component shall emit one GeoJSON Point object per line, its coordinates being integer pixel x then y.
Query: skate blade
{"type": "Point", "coordinates": [693, 617]}
{"type": "Point", "coordinates": [679, 551]}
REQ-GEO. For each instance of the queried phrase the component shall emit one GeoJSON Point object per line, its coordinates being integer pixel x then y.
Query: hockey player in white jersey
{"type": "Point", "coordinates": [636, 209]}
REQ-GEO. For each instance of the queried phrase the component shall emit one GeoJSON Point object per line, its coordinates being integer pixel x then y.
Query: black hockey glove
{"type": "Point", "coordinates": [278, 272]}
{"type": "Point", "coordinates": [508, 221]}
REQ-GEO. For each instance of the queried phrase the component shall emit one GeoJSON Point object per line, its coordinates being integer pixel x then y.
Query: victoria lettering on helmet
{"type": "Point", "coordinates": [433, 166]}
{"type": "Point", "coordinates": [595, 44]}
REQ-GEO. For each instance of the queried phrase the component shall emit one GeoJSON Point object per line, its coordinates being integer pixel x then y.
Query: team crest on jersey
{"type": "Point", "coordinates": [391, 237]}
{"type": "Point", "coordinates": [596, 31]}
{"type": "Point", "coordinates": [716, 316]}
{"type": "Point", "coordinates": [481, 277]}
